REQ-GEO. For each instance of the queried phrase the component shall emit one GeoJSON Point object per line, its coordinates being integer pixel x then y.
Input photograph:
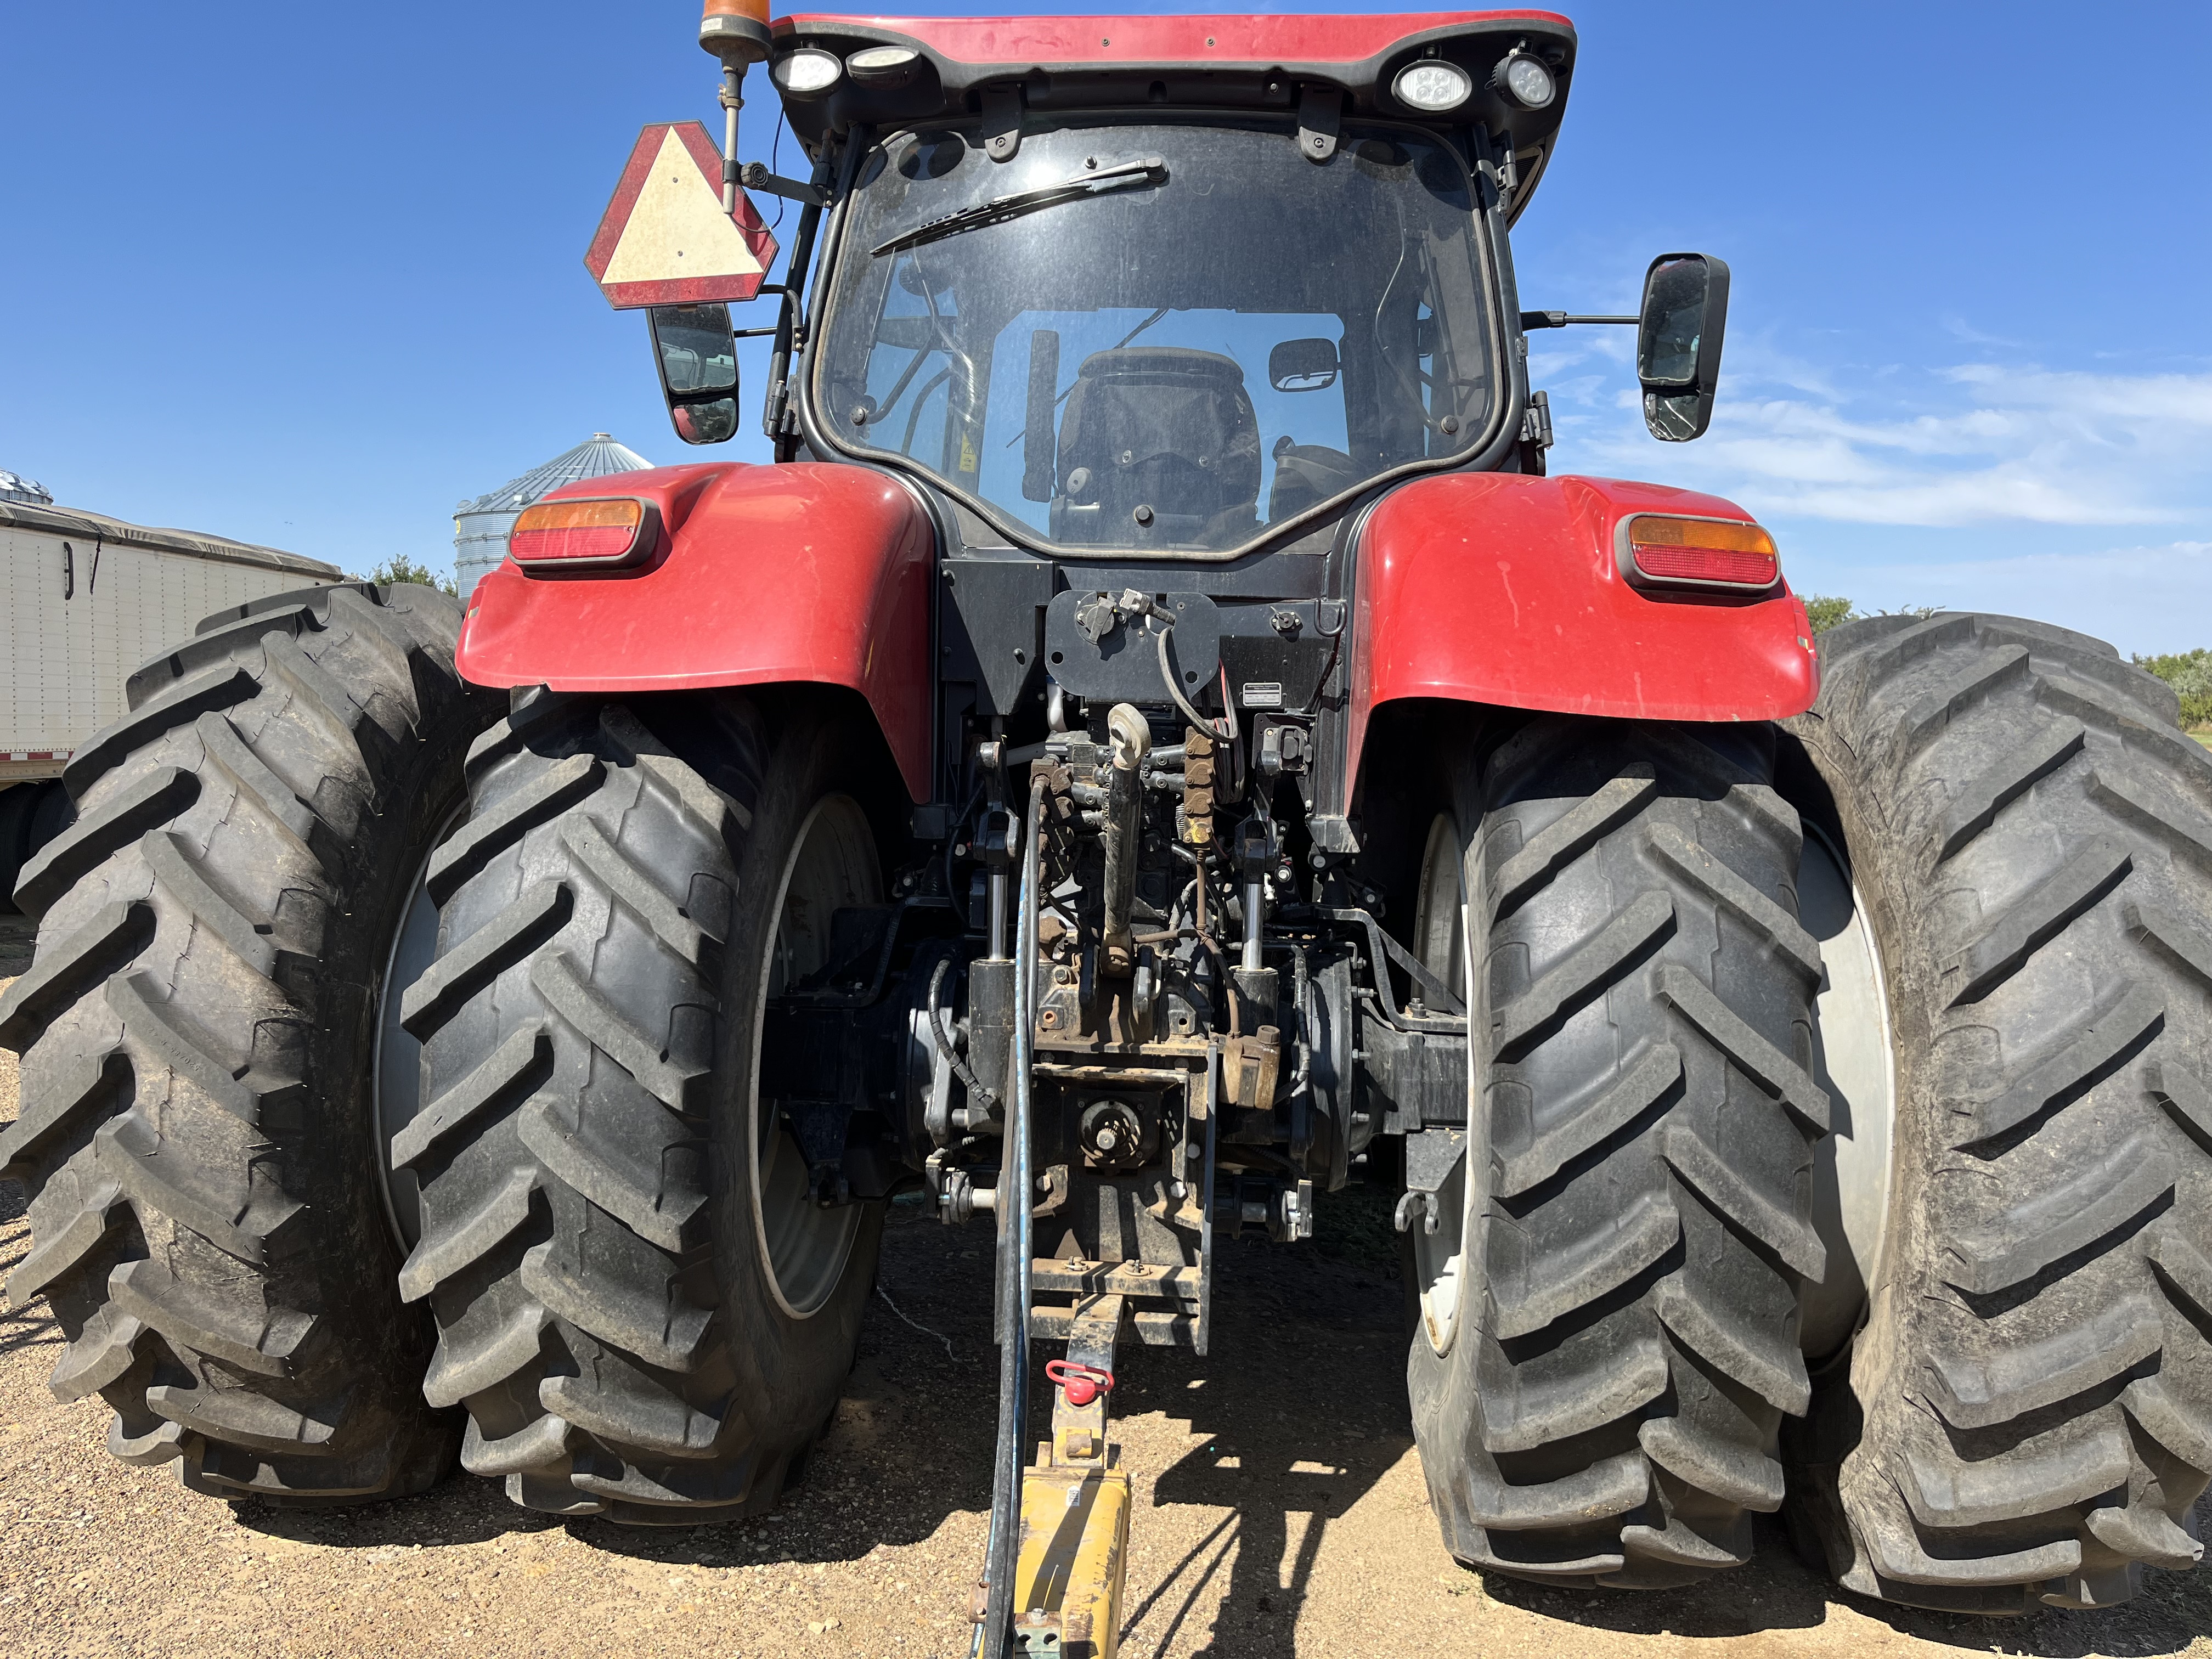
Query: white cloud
{"type": "Point", "coordinates": [1972, 444]}
{"type": "Point", "coordinates": [2142, 600]}
{"type": "Point", "coordinates": [2008, 481]}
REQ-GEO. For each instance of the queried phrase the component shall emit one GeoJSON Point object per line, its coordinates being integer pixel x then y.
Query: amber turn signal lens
{"type": "Point", "coordinates": [1702, 551]}
{"type": "Point", "coordinates": [579, 533]}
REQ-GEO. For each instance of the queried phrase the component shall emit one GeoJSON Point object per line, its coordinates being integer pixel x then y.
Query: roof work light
{"type": "Point", "coordinates": [1432, 86]}
{"type": "Point", "coordinates": [807, 73]}
{"type": "Point", "coordinates": [883, 68]}
{"type": "Point", "coordinates": [1525, 80]}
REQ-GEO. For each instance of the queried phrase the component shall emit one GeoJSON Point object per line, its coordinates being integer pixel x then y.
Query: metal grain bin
{"type": "Point", "coordinates": [480, 526]}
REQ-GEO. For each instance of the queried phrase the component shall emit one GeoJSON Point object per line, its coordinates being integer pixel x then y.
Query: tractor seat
{"type": "Point", "coordinates": [1168, 431]}
{"type": "Point", "coordinates": [1307, 474]}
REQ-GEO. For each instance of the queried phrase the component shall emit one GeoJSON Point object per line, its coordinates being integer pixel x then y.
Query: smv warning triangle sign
{"type": "Point", "coordinates": [665, 240]}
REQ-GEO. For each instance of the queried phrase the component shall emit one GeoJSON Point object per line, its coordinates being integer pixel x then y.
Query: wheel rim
{"type": "Point", "coordinates": [1440, 934]}
{"type": "Point", "coordinates": [804, 1247]}
{"type": "Point", "coordinates": [396, 1067]}
{"type": "Point", "coordinates": [1855, 1059]}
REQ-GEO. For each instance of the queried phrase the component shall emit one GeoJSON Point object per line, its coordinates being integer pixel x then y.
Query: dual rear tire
{"type": "Point", "coordinates": [196, 1130]}
{"type": "Point", "coordinates": [2026, 1418]}
{"type": "Point", "coordinates": [1906, 1229]}
{"type": "Point", "coordinates": [388, 1075]}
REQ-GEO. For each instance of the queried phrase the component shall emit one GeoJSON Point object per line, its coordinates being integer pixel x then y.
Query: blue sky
{"type": "Point", "coordinates": [309, 276]}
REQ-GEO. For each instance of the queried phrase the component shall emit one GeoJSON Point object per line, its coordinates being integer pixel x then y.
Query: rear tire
{"type": "Point", "coordinates": [1607, 1350]}
{"type": "Point", "coordinates": [2026, 1418]}
{"type": "Point", "coordinates": [196, 1029]}
{"type": "Point", "coordinates": [641, 1316]}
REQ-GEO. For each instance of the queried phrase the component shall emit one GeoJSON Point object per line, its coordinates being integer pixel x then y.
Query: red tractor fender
{"type": "Point", "coordinates": [797, 574]}
{"type": "Point", "coordinates": [1500, 588]}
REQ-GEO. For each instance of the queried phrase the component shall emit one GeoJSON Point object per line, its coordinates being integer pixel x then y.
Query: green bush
{"type": "Point", "coordinates": [1827, 611]}
{"type": "Point", "coordinates": [399, 568]}
{"type": "Point", "coordinates": [2189, 674]}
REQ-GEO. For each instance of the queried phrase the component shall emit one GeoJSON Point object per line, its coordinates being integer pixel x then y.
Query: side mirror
{"type": "Point", "coordinates": [1302, 365]}
{"type": "Point", "coordinates": [697, 357]}
{"type": "Point", "coordinates": [1678, 343]}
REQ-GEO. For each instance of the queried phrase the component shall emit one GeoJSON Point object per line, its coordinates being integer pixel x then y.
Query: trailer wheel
{"type": "Point", "coordinates": [195, 1127]}
{"type": "Point", "coordinates": [31, 815]}
{"type": "Point", "coordinates": [641, 1306]}
{"type": "Point", "coordinates": [2026, 1417]}
{"type": "Point", "coordinates": [1607, 1345]}
{"type": "Point", "coordinates": [18, 803]}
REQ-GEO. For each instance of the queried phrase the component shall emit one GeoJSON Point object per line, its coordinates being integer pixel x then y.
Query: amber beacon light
{"type": "Point", "coordinates": [735, 30]}
{"type": "Point", "coordinates": [601, 535]}
{"type": "Point", "coordinates": [1701, 552]}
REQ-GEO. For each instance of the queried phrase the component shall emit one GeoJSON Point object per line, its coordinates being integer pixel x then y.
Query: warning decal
{"type": "Point", "coordinates": [665, 240]}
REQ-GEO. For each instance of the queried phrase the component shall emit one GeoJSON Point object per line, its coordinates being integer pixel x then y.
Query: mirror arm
{"type": "Point", "coordinates": [775, 404]}
{"type": "Point", "coordinates": [755, 175]}
{"type": "Point", "coordinates": [776, 415]}
{"type": "Point", "coordinates": [1534, 319]}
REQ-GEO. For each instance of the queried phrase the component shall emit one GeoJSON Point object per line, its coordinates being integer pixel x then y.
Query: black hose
{"type": "Point", "coordinates": [1228, 983]}
{"type": "Point", "coordinates": [1202, 722]}
{"type": "Point", "coordinates": [1015, 1186]}
{"type": "Point", "coordinates": [977, 1094]}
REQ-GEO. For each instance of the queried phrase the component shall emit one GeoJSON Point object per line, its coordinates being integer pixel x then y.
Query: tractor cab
{"type": "Point", "coordinates": [1201, 349]}
{"type": "Point", "coordinates": [1180, 286]}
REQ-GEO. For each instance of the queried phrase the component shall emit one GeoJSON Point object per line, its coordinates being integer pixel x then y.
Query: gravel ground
{"type": "Point", "coordinates": [1279, 1510]}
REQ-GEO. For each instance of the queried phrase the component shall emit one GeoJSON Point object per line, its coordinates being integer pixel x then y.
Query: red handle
{"type": "Point", "coordinates": [1084, 1383]}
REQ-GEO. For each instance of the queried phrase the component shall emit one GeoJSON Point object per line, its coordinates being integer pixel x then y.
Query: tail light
{"type": "Point", "coordinates": [572, 535]}
{"type": "Point", "coordinates": [1716, 553]}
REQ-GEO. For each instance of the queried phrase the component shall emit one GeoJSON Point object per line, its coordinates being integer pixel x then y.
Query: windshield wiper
{"type": "Point", "coordinates": [1149, 171]}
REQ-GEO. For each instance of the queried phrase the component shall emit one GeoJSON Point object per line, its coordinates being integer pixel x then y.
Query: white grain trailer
{"type": "Point", "coordinates": [88, 598]}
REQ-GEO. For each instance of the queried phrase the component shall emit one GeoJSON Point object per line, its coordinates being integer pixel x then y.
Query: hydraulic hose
{"type": "Point", "coordinates": [1205, 723]}
{"type": "Point", "coordinates": [961, 1069]}
{"type": "Point", "coordinates": [1016, 1184]}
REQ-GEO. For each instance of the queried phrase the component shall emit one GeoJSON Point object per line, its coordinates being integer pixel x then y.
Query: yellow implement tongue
{"type": "Point", "coordinates": [1074, 1537]}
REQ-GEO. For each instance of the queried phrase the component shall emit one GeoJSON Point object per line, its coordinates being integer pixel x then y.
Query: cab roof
{"type": "Point", "coordinates": [1193, 62]}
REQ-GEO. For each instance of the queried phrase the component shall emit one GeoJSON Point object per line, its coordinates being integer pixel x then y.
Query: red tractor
{"type": "Point", "coordinates": [1155, 738]}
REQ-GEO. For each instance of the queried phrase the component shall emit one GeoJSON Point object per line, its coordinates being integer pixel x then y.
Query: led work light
{"type": "Point", "coordinates": [807, 73]}
{"type": "Point", "coordinates": [1432, 85]}
{"type": "Point", "coordinates": [1526, 81]}
{"type": "Point", "coordinates": [883, 67]}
